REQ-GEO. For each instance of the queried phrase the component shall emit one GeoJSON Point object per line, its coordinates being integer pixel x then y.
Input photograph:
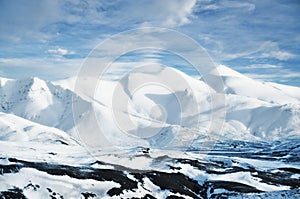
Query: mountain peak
{"type": "Point", "coordinates": [226, 71]}
{"type": "Point", "coordinates": [252, 106]}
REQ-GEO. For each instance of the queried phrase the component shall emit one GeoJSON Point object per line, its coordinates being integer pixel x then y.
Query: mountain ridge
{"type": "Point", "coordinates": [254, 109]}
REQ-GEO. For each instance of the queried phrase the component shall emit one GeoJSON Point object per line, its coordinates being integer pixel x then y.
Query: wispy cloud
{"type": "Point", "coordinates": [47, 68]}
{"type": "Point", "coordinates": [60, 51]}
{"type": "Point", "coordinates": [169, 13]}
{"type": "Point", "coordinates": [231, 29]}
{"type": "Point", "coordinates": [266, 49]}
{"type": "Point", "coordinates": [25, 19]}
{"type": "Point", "coordinates": [283, 77]}
{"type": "Point", "coordinates": [271, 50]}
{"type": "Point", "coordinates": [222, 5]}
{"type": "Point", "coordinates": [239, 33]}
{"type": "Point", "coordinates": [36, 19]}
{"type": "Point", "coordinates": [259, 66]}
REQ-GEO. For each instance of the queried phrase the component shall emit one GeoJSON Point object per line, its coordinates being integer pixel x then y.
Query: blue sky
{"type": "Point", "coordinates": [51, 38]}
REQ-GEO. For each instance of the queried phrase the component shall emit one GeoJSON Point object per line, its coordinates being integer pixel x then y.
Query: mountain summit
{"type": "Point", "coordinates": [254, 110]}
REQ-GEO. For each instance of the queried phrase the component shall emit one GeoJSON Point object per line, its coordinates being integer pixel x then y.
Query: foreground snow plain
{"type": "Point", "coordinates": [256, 154]}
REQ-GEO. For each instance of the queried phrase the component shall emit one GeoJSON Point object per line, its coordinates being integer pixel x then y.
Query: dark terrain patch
{"type": "Point", "coordinates": [14, 193]}
{"type": "Point", "coordinates": [88, 195]}
{"type": "Point", "coordinates": [174, 181]}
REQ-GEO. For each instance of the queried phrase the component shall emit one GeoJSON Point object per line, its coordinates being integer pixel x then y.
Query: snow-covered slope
{"type": "Point", "coordinates": [41, 154]}
{"type": "Point", "coordinates": [17, 129]}
{"type": "Point", "coordinates": [39, 101]}
{"type": "Point", "coordinates": [238, 84]}
{"type": "Point", "coordinates": [32, 99]}
{"type": "Point", "coordinates": [266, 110]}
{"type": "Point", "coordinates": [254, 110]}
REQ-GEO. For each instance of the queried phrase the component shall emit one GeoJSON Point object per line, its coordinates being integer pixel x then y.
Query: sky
{"type": "Point", "coordinates": [50, 39]}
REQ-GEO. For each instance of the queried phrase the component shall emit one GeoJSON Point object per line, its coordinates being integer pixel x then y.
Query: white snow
{"type": "Point", "coordinates": [255, 110]}
{"type": "Point", "coordinates": [37, 124]}
{"type": "Point", "coordinates": [246, 178]}
{"type": "Point", "coordinates": [17, 129]}
{"type": "Point", "coordinates": [61, 185]}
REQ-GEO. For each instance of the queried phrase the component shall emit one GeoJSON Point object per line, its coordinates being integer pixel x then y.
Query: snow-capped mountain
{"type": "Point", "coordinates": [254, 110]}
{"type": "Point", "coordinates": [255, 155]}
{"type": "Point", "coordinates": [17, 129]}
{"type": "Point", "coordinates": [38, 101]}
{"type": "Point", "coordinates": [266, 110]}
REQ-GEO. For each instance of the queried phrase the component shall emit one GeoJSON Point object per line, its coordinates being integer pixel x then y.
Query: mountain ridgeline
{"type": "Point", "coordinates": [254, 110]}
